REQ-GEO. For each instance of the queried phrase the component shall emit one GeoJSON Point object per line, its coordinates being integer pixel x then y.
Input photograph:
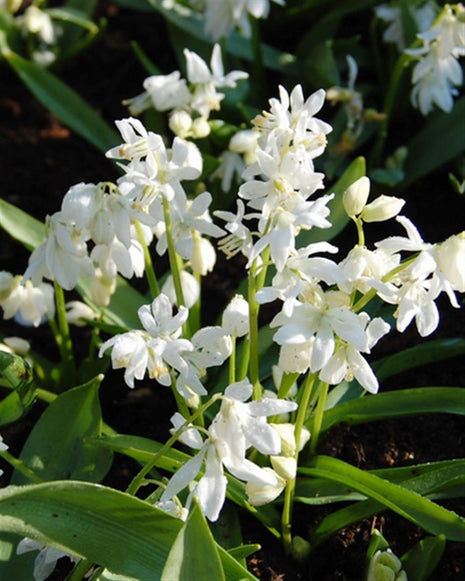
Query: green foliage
{"type": "Point", "coordinates": [57, 449]}
{"type": "Point", "coordinates": [17, 376]}
{"type": "Point", "coordinates": [63, 102]}
{"type": "Point", "coordinates": [93, 522]}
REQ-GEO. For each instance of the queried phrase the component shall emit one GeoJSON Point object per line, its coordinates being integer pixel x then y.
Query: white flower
{"type": "Point", "coordinates": [190, 289]}
{"type": "Point", "coordinates": [438, 73]}
{"type": "Point", "coordinates": [236, 317]}
{"type": "Point", "coordinates": [394, 33]}
{"type": "Point", "coordinates": [62, 256]}
{"type": "Point", "coordinates": [38, 22]}
{"type": "Point", "coordinates": [259, 494]}
{"type": "Point", "coordinates": [237, 426]}
{"type": "Point", "coordinates": [77, 312]}
{"type": "Point", "coordinates": [29, 303]}
{"type": "Point", "coordinates": [450, 256]}
{"type": "Point", "coordinates": [45, 561]}
{"type": "Point", "coordinates": [155, 349]}
{"type": "Point", "coordinates": [324, 323]}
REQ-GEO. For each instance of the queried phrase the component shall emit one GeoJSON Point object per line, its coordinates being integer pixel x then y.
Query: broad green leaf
{"type": "Point", "coordinates": [63, 102]}
{"type": "Point", "coordinates": [439, 142]}
{"type": "Point", "coordinates": [13, 566]}
{"type": "Point", "coordinates": [243, 551]}
{"type": "Point", "coordinates": [17, 375]}
{"type": "Point", "coordinates": [423, 558]}
{"type": "Point", "coordinates": [55, 447]}
{"type": "Point", "coordinates": [338, 216]}
{"type": "Point", "coordinates": [422, 354]}
{"type": "Point", "coordinates": [194, 554]}
{"type": "Point", "coordinates": [122, 533]}
{"type": "Point", "coordinates": [377, 543]}
{"type": "Point", "coordinates": [143, 450]}
{"type": "Point", "coordinates": [395, 404]}
{"type": "Point", "coordinates": [406, 502]}
{"type": "Point", "coordinates": [21, 226]}
{"type": "Point", "coordinates": [441, 483]}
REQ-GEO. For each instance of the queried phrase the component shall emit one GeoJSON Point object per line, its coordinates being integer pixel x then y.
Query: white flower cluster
{"type": "Point", "coordinates": [190, 101]}
{"type": "Point", "coordinates": [282, 179]}
{"type": "Point", "coordinates": [236, 427]}
{"type": "Point", "coordinates": [438, 72]}
{"type": "Point", "coordinates": [29, 304]}
{"type": "Point", "coordinates": [222, 16]}
{"type": "Point", "coordinates": [102, 228]}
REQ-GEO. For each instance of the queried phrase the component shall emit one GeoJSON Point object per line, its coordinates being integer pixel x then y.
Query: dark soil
{"type": "Point", "coordinates": [41, 159]}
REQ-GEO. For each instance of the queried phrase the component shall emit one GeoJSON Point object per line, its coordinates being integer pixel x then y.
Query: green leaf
{"type": "Point", "coordinates": [394, 404]}
{"type": "Point", "coordinates": [407, 502]}
{"type": "Point", "coordinates": [143, 450]}
{"type": "Point", "coordinates": [122, 310]}
{"type": "Point", "coordinates": [63, 102]}
{"type": "Point", "coordinates": [21, 226]}
{"type": "Point", "coordinates": [55, 447]}
{"type": "Point", "coordinates": [429, 352]}
{"type": "Point", "coordinates": [318, 491]}
{"type": "Point", "coordinates": [194, 554]}
{"type": "Point", "coordinates": [423, 558]}
{"type": "Point", "coordinates": [243, 551]}
{"type": "Point", "coordinates": [377, 543]}
{"type": "Point", "coordinates": [439, 142]}
{"type": "Point", "coordinates": [13, 566]}
{"type": "Point", "coordinates": [338, 215]}
{"type": "Point", "coordinates": [117, 531]}
{"type": "Point", "coordinates": [18, 376]}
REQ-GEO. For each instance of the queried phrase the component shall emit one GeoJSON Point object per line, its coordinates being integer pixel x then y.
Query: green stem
{"type": "Point", "coordinates": [149, 270]}
{"type": "Point", "coordinates": [137, 481]}
{"type": "Point", "coordinates": [360, 232]}
{"type": "Point", "coordinates": [372, 292]}
{"type": "Point", "coordinates": [195, 311]}
{"type": "Point", "coordinates": [319, 412]}
{"type": "Point", "coordinates": [286, 518]}
{"type": "Point", "coordinates": [258, 71]}
{"type": "Point", "coordinates": [401, 63]}
{"type": "Point", "coordinates": [253, 336]}
{"type": "Point", "coordinates": [232, 361]}
{"type": "Point", "coordinates": [244, 363]}
{"type": "Point", "coordinates": [80, 570]}
{"type": "Point", "coordinates": [173, 256]}
{"type": "Point", "coordinates": [67, 344]}
{"type": "Point", "coordinates": [20, 467]}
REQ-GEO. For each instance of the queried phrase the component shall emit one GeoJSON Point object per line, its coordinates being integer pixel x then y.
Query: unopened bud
{"type": "Point", "coordinates": [451, 260]}
{"type": "Point", "coordinates": [236, 317]}
{"type": "Point", "coordinates": [356, 196]}
{"type": "Point", "coordinates": [381, 209]}
{"type": "Point", "coordinates": [180, 123]}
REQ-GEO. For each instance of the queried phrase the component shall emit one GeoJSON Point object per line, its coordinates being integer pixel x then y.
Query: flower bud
{"type": "Point", "coordinates": [383, 208]}
{"type": "Point", "coordinates": [77, 311]}
{"type": "Point", "coordinates": [203, 256]}
{"type": "Point", "coordinates": [451, 260]}
{"type": "Point", "coordinates": [236, 317]}
{"type": "Point", "coordinates": [259, 494]}
{"type": "Point", "coordinates": [101, 288]}
{"type": "Point", "coordinates": [180, 123]}
{"type": "Point", "coordinates": [190, 289]}
{"type": "Point", "coordinates": [15, 345]}
{"type": "Point", "coordinates": [356, 196]}
{"type": "Point", "coordinates": [385, 566]}
{"type": "Point", "coordinates": [200, 128]}
{"type": "Point", "coordinates": [285, 466]}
